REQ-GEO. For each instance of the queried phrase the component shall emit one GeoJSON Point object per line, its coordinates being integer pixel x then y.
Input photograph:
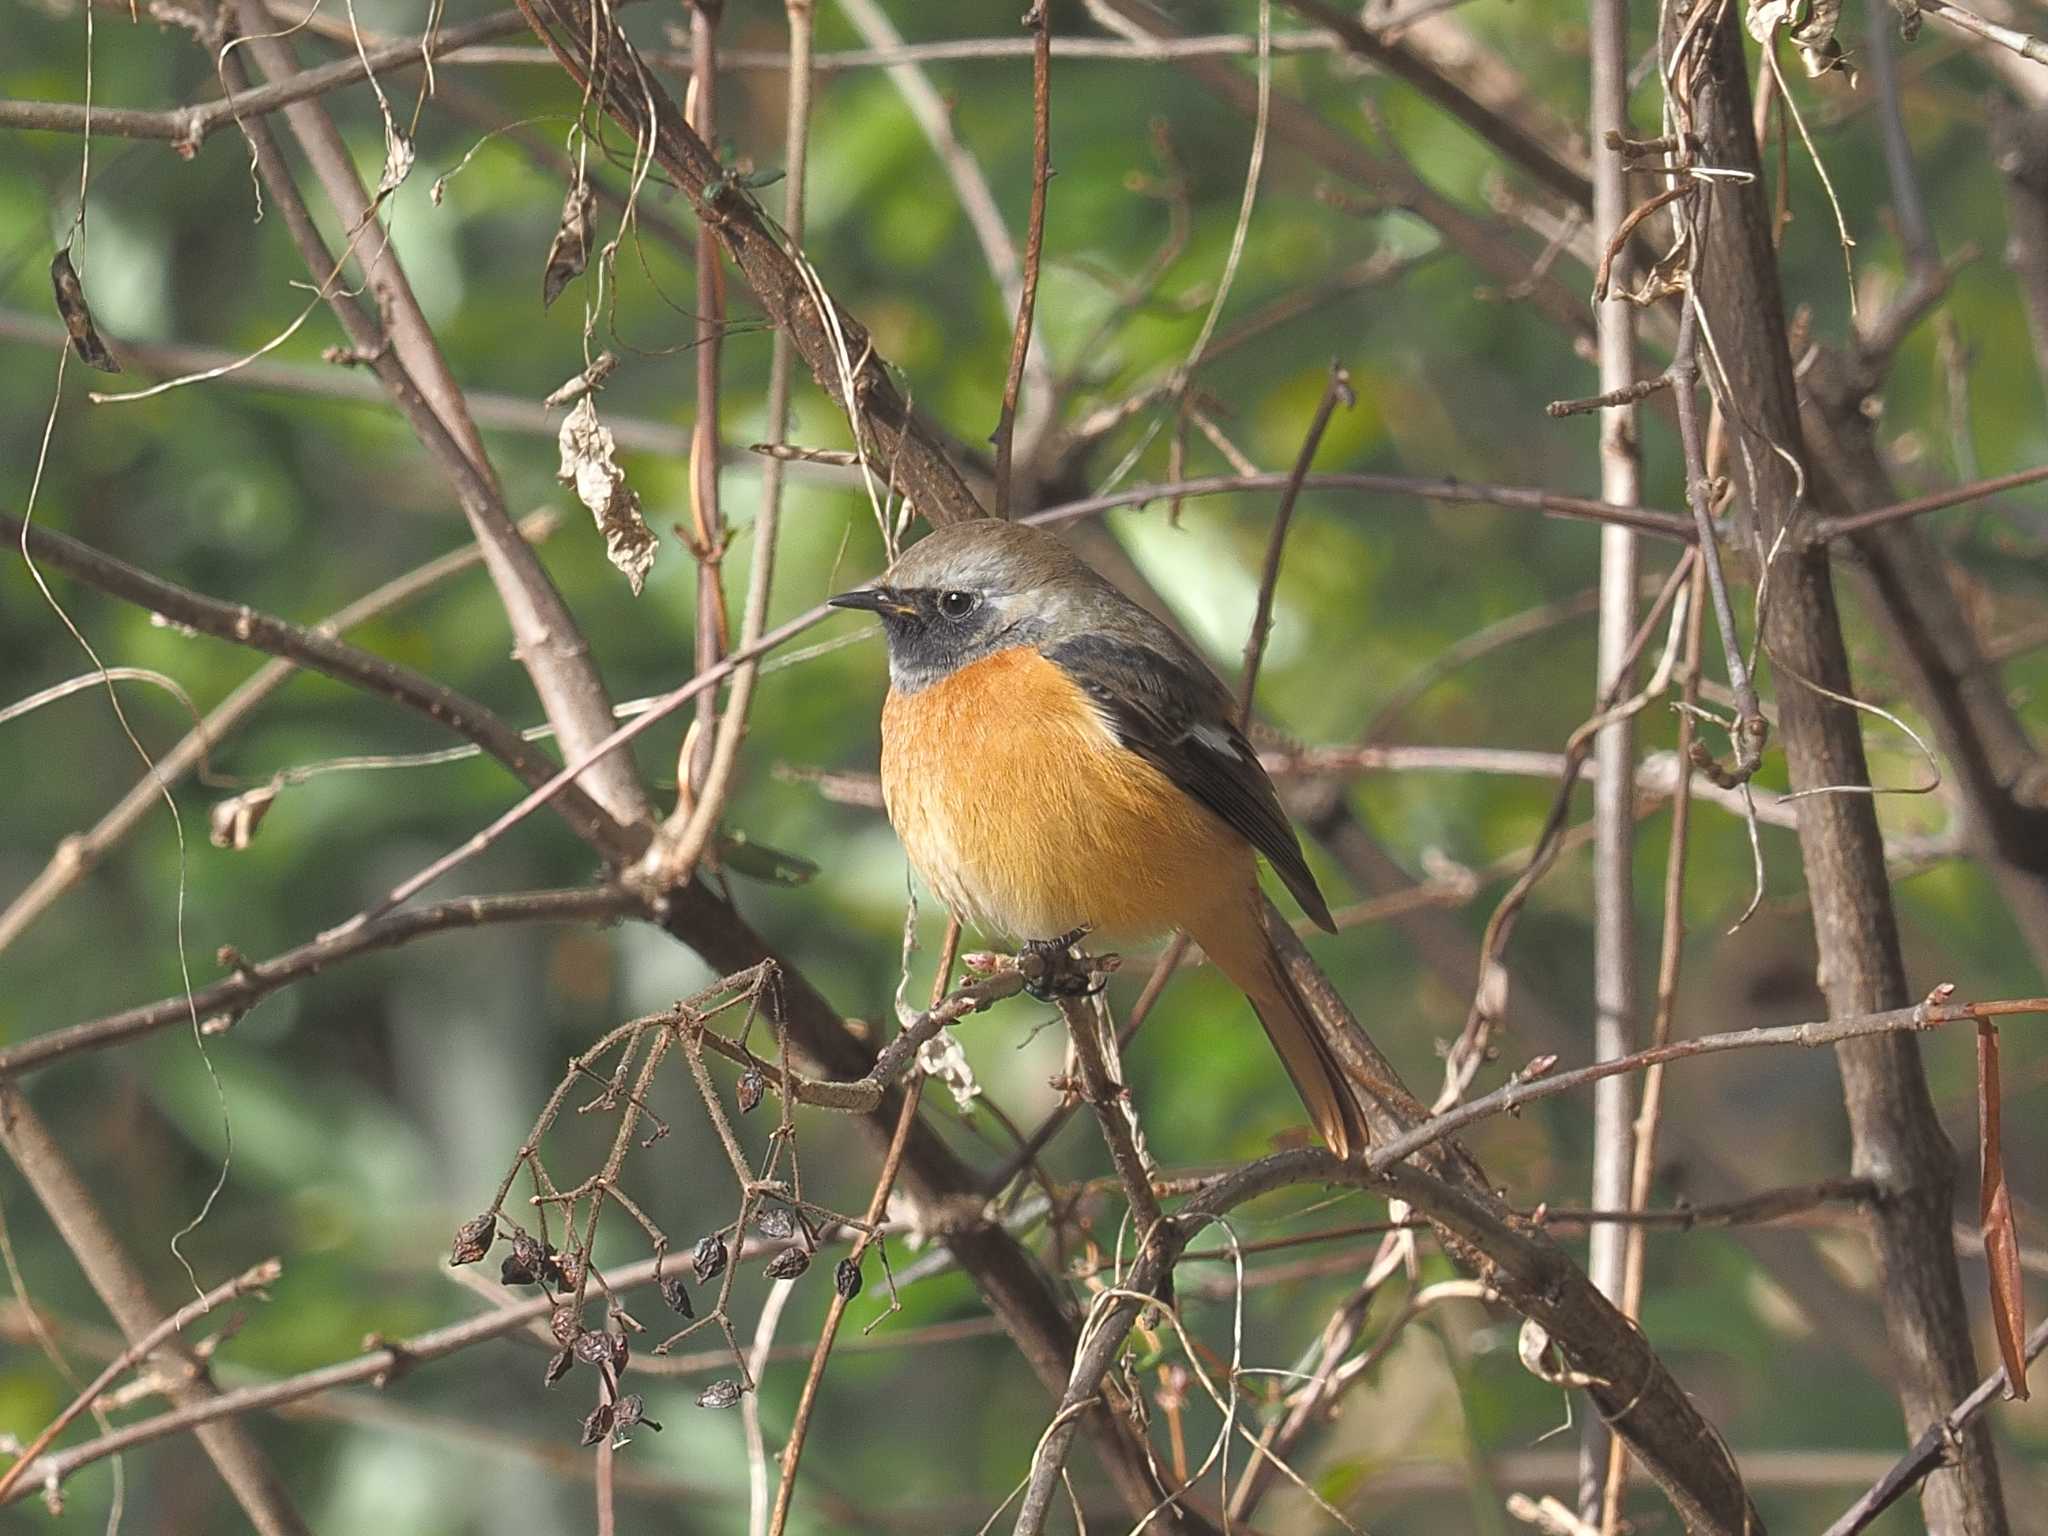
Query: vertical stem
{"type": "Point", "coordinates": [1034, 244]}
{"type": "Point", "coordinates": [1614, 981]}
{"type": "Point", "coordinates": [707, 516]}
{"type": "Point", "coordinates": [1670, 949]}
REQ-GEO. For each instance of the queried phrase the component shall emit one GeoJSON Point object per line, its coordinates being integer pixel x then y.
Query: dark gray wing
{"type": "Point", "coordinates": [1170, 710]}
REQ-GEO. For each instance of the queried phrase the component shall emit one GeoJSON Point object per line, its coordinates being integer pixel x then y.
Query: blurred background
{"type": "Point", "coordinates": [373, 1108]}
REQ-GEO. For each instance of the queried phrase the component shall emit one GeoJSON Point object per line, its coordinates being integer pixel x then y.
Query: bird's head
{"type": "Point", "coordinates": [971, 589]}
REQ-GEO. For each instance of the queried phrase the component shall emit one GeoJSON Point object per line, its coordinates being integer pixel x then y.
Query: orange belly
{"type": "Point", "coordinates": [1022, 811]}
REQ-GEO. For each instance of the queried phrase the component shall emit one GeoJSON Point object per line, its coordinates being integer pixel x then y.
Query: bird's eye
{"type": "Point", "coordinates": [957, 605]}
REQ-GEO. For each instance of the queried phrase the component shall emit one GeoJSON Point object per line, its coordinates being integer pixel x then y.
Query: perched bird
{"type": "Point", "coordinates": [1054, 758]}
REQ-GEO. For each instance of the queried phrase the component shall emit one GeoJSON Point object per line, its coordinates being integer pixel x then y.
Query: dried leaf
{"type": "Point", "coordinates": [757, 861]}
{"type": "Point", "coordinates": [1810, 25]}
{"type": "Point", "coordinates": [398, 158]}
{"type": "Point", "coordinates": [710, 1257]}
{"type": "Point", "coordinates": [589, 463]}
{"type": "Point", "coordinates": [677, 1295]}
{"type": "Point", "coordinates": [77, 316]}
{"type": "Point", "coordinates": [590, 378]}
{"type": "Point", "coordinates": [722, 1393]}
{"type": "Point", "coordinates": [233, 822]}
{"type": "Point", "coordinates": [571, 247]}
{"type": "Point", "coordinates": [473, 1239]}
{"type": "Point", "coordinates": [1995, 1220]}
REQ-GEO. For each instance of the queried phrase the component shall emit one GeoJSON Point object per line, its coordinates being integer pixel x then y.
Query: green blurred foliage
{"type": "Point", "coordinates": [375, 1107]}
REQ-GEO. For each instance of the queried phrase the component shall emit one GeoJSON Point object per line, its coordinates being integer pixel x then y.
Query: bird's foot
{"type": "Point", "coordinates": [1053, 969]}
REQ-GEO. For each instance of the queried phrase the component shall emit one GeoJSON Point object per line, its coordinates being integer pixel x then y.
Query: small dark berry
{"type": "Point", "coordinates": [788, 1264]}
{"type": "Point", "coordinates": [565, 1325]}
{"type": "Point", "coordinates": [593, 1348]}
{"type": "Point", "coordinates": [677, 1295]}
{"type": "Point", "coordinates": [846, 1280]}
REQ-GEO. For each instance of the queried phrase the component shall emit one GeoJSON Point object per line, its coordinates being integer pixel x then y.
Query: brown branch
{"type": "Point", "coordinates": [706, 512]}
{"type": "Point", "coordinates": [1842, 524]}
{"type": "Point", "coordinates": [845, 1289]}
{"type": "Point", "coordinates": [1934, 1449]}
{"type": "Point", "coordinates": [316, 652]}
{"type": "Point", "coordinates": [1488, 245]}
{"type": "Point", "coordinates": [407, 359]}
{"type": "Point", "coordinates": [1034, 245]}
{"type": "Point", "coordinates": [1664, 525]}
{"type": "Point", "coordinates": [235, 995]}
{"type": "Point", "coordinates": [252, 1279]}
{"type": "Point", "coordinates": [1897, 1136]}
{"type": "Point", "coordinates": [78, 853]}
{"type": "Point", "coordinates": [490, 409]}
{"type": "Point", "coordinates": [598, 57]}
{"type": "Point", "coordinates": [186, 128]}
{"type": "Point", "coordinates": [122, 1290]}
{"type": "Point", "coordinates": [1336, 391]}
{"type": "Point", "coordinates": [1519, 147]}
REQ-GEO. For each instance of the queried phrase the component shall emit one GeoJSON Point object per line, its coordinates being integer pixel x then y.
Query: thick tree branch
{"type": "Point", "coordinates": [1898, 1140]}
{"type": "Point", "coordinates": [408, 360]}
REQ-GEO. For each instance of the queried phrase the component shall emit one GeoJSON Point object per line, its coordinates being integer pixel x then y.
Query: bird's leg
{"type": "Point", "coordinates": [1052, 970]}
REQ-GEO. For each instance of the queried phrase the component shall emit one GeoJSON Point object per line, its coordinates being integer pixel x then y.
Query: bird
{"type": "Point", "coordinates": [1055, 758]}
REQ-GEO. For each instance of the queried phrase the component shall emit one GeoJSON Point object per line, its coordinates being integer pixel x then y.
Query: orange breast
{"type": "Point", "coordinates": [1027, 817]}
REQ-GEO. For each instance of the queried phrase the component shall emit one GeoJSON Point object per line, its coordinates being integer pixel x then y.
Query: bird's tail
{"type": "Point", "coordinates": [1236, 940]}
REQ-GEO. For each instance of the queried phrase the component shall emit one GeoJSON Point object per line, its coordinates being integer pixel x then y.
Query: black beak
{"type": "Point", "coordinates": [873, 600]}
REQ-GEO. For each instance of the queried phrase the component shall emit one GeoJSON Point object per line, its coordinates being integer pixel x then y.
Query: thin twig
{"type": "Point", "coordinates": [1336, 391]}
{"type": "Point", "coordinates": [1034, 245]}
{"type": "Point", "coordinates": [76, 855]}
{"type": "Point", "coordinates": [251, 1279]}
{"type": "Point", "coordinates": [227, 1000]}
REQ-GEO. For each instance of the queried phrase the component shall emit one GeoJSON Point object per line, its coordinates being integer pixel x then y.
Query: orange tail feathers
{"type": "Point", "coordinates": [1235, 938]}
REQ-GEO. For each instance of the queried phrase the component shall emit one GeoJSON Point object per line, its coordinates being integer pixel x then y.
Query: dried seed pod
{"type": "Point", "coordinates": [622, 1349]}
{"type": "Point", "coordinates": [527, 1261]}
{"type": "Point", "coordinates": [776, 1222]}
{"type": "Point", "coordinates": [565, 1325]}
{"type": "Point", "coordinates": [846, 1279]}
{"type": "Point", "coordinates": [722, 1393]}
{"type": "Point", "coordinates": [752, 1086]}
{"type": "Point", "coordinates": [630, 1412]}
{"type": "Point", "coordinates": [677, 1295]}
{"type": "Point", "coordinates": [558, 1366]}
{"type": "Point", "coordinates": [564, 1271]}
{"type": "Point", "coordinates": [592, 1348]}
{"type": "Point", "coordinates": [788, 1264]}
{"type": "Point", "coordinates": [473, 1239]}
{"type": "Point", "coordinates": [599, 1424]}
{"type": "Point", "coordinates": [710, 1257]}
